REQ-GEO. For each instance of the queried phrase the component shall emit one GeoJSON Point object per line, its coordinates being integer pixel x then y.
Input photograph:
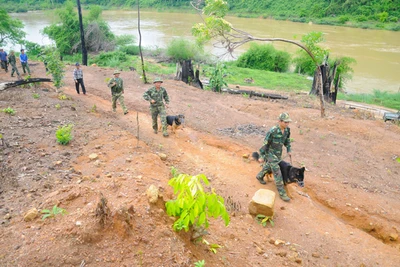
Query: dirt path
{"type": "Point", "coordinates": [347, 214]}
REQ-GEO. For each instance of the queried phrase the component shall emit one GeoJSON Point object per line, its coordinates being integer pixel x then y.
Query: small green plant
{"type": "Point", "coordinates": [94, 109]}
{"type": "Point", "coordinates": [263, 220]}
{"type": "Point", "coordinates": [246, 95]}
{"type": "Point", "coordinates": [9, 110]}
{"type": "Point", "coordinates": [192, 205]}
{"type": "Point", "coordinates": [212, 247]}
{"type": "Point", "coordinates": [63, 134]}
{"type": "Point", "coordinates": [201, 263]}
{"type": "Point", "coordinates": [57, 106]}
{"type": "Point", "coordinates": [217, 80]}
{"type": "Point", "coordinates": [36, 96]}
{"type": "Point", "coordinates": [174, 171]}
{"type": "Point", "coordinates": [64, 97]}
{"type": "Point", "coordinates": [53, 212]}
{"type": "Point", "coordinates": [398, 159]}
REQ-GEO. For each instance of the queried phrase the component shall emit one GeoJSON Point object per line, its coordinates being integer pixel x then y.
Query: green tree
{"type": "Point", "coordinates": [305, 64]}
{"type": "Point", "coordinates": [66, 32]}
{"type": "Point", "coordinates": [11, 30]}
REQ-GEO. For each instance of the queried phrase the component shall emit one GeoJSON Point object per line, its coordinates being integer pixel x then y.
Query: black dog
{"type": "Point", "coordinates": [175, 121]}
{"type": "Point", "coordinates": [290, 174]}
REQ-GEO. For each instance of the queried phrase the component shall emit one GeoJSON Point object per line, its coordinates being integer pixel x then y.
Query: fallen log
{"type": "Point", "coordinates": [253, 93]}
{"type": "Point", "coordinates": [6, 85]}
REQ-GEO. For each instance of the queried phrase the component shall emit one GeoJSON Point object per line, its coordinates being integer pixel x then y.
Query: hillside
{"type": "Point", "coordinates": [346, 215]}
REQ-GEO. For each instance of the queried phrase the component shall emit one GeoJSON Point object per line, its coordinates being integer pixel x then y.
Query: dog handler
{"type": "Point", "coordinates": [156, 95]}
{"type": "Point", "coordinates": [271, 153]}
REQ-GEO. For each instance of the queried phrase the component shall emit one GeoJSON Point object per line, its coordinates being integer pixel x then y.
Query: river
{"type": "Point", "coordinates": [377, 52]}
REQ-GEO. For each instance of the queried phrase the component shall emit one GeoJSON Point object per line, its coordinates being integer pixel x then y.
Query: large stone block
{"type": "Point", "coordinates": [262, 203]}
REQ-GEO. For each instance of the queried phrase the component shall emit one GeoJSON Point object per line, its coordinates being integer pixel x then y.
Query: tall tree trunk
{"type": "Point", "coordinates": [84, 51]}
{"type": "Point", "coordinates": [140, 44]}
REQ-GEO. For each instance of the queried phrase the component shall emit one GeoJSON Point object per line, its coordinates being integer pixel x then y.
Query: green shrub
{"type": "Point", "coordinates": [182, 49]}
{"type": "Point", "coordinates": [130, 50]}
{"type": "Point", "coordinates": [192, 205]}
{"type": "Point", "coordinates": [383, 17]}
{"type": "Point", "coordinates": [217, 75]}
{"type": "Point", "coordinates": [361, 18]}
{"type": "Point", "coordinates": [63, 134]}
{"type": "Point", "coordinates": [111, 59]}
{"type": "Point", "coordinates": [36, 96]}
{"type": "Point", "coordinates": [264, 57]}
{"type": "Point", "coordinates": [343, 19]}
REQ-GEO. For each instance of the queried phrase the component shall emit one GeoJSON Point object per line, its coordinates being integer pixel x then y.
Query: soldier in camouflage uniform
{"type": "Point", "coordinates": [271, 153]}
{"type": "Point", "coordinates": [156, 95]}
{"type": "Point", "coordinates": [13, 63]}
{"type": "Point", "coordinates": [117, 91]}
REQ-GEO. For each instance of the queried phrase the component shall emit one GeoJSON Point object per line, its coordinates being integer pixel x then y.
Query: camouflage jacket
{"type": "Point", "coordinates": [156, 95]}
{"type": "Point", "coordinates": [118, 88]}
{"type": "Point", "coordinates": [273, 142]}
{"type": "Point", "coordinates": [11, 59]}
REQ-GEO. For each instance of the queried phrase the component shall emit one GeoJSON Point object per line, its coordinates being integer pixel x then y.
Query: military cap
{"type": "Point", "coordinates": [77, 64]}
{"type": "Point", "coordinates": [158, 80]}
{"type": "Point", "coordinates": [284, 117]}
{"type": "Point", "coordinates": [117, 72]}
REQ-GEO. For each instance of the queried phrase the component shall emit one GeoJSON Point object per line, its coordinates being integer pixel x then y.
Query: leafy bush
{"type": "Point", "coordinates": [130, 49]}
{"type": "Point", "coordinates": [383, 17]}
{"type": "Point", "coordinates": [361, 18]}
{"type": "Point", "coordinates": [217, 75]}
{"type": "Point", "coordinates": [63, 134]}
{"type": "Point", "coordinates": [111, 59]}
{"type": "Point", "coordinates": [51, 58]}
{"type": "Point", "coordinates": [192, 204]}
{"type": "Point", "coordinates": [182, 49]}
{"type": "Point", "coordinates": [343, 19]}
{"type": "Point", "coordinates": [125, 39]}
{"type": "Point", "coordinates": [264, 57]}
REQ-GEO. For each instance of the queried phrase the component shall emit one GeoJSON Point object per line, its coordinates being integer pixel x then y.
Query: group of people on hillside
{"type": "Point", "coordinates": [277, 137]}
{"type": "Point", "coordinates": [156, 95]}
{"type": "Point", "coordinates": [11, 60]}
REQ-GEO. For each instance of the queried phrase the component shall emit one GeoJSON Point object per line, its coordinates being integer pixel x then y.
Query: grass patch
{"type": "Point", "coordinates": [268, 79]}
{"type": "Point", "coordinates": [379, 98]}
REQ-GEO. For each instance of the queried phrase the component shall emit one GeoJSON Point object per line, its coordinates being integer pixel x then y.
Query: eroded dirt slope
{"type": "Point", "coordinates": [347, 214]}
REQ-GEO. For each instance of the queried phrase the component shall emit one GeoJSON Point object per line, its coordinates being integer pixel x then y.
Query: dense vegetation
{"type": "Point", "coordinates": [357, 13]}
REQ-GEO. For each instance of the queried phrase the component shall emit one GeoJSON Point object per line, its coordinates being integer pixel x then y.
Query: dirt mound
{"type": "Point", "coordinates": [347, 214]}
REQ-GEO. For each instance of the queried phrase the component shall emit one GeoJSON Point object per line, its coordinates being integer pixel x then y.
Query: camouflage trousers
{"type": "Point", "coordinates": [25, 67]}
{"type": "Point", "coordinates": [271, 165]}
{"type": "Point", "coordinates": [14, 69]}
{"type": "Point", "coordinates": [159, 110]}
{"type": "Point", "coordinates": [120, 97]}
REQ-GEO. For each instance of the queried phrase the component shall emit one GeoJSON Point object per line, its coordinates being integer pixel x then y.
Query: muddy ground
{"type": "Point", "coordinates": [348, 213]}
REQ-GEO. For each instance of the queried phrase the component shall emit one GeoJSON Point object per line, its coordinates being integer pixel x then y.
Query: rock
{"type": "Point", "coordinates": [262, 203]}
{"type": "Point", "coordinates": [162, 156]}
{"type": "Point", "coordinates": [7, 216]}
{"type": "Point", "coordinates": [393, 237]}
{"type": "Point", "coordinates": [279, 242]}
{"type": "Point", "coordinates": [245, 156]}
{"type": "Point", "coordinates": [315, 255]}
{"type": "Point", "coordinates": [128, 160]}
{"type": "Point", "coordinates": [152, 194]}
{"type": "Point", "coordinates": [281, 253]}
{"type": "Point", "coordinates": [93, 156]}
{"type": "Point", "coordinates": [31, 215]}
{"type": "Point", "coordinates": [57, 163]}
{"type": "Point", "coordinates": [298, 260]}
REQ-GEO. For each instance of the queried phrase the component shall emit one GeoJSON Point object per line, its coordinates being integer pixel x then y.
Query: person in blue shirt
{"type": "Point", "coordinates": [24, 61]}
{"type": "Point", "coordinates": [3, 58]}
